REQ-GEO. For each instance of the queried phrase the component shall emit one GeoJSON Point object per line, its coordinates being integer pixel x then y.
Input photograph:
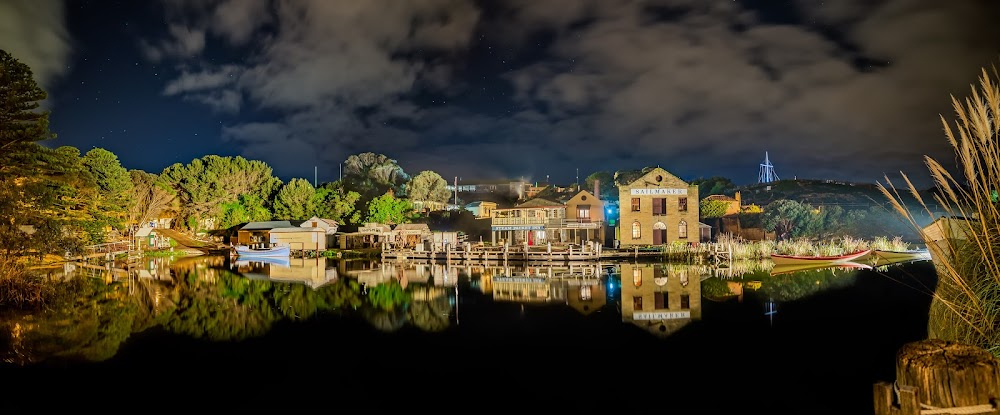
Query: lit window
{"type": "Point", "coordinates": [636, 277]}
{"type": "Point", "coordinates": [636, 230]}
{"type": "Point", "coordinates": [682, 229]}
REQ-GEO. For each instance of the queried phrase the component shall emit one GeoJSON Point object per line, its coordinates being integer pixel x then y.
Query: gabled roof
{"type": "Point", "coordinates": [412, 227]}
{"type": "Point", "coordinates": [296, 229]}
{"type": "Point", "coordinates": [329, 222]}
{"type": "Point", "coordinates": [267, 225]}
{"type": "Point", "coordinates": [538, 202]}
{"type": "Point", "coordinates": [143, 232]}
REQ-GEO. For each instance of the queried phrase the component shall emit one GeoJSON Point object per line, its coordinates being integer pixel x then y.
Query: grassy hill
{"type": "Point", "coordinates": [821, 193]}
{"type": "Point", "coordinates": [880, 218]}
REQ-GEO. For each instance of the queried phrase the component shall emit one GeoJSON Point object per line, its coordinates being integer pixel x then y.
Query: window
{"type": "Point", "coordinates": [583, 213]}
{"type": "Point", "coordinates": [637, 303]}
{"type": "Point", "coordinates": [636, 277]}
{"type": "Point", "coordinates": [314, 224]}
{"type": "Point", "coordinates": [635, 204]}
{"type": "Point", "coordinates": [682, 204]}
{"type": "Point", "coordinates": [662, 301]}
{"type": "Point", "coordinates": [636, 231]}
{"type": "Point", "coordinates": [586, 293]}
{"type": "Point", "coordinates": [659, 206]}
{"type": "Point", "coordinates": [685, 301]}
{"type": "Point", "coordinates": [682, 229]}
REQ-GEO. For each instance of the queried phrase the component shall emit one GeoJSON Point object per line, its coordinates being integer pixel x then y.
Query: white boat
{"type": "Point", "coordinates": [282, 251]}
{"type": "Point", "coordinates": [913, 254]}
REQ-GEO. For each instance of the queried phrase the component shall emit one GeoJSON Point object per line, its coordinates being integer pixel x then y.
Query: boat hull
{"type": "Point", "coordinates": [276, 252]}
{"type": "Point", "coordinates": [793, 268]}
{"type": "Point", "coordinates": [817, 260]}
{"type": "Point", "coordinates": [902, 255]}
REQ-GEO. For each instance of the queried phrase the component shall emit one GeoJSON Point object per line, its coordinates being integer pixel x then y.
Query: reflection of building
{"type": "Point", "coordinates": [309, 271]}
{"type": "Point", "coordinates": [407, 273]}
{"type": "Point", "coordinates": [586, 295]}
{"type": "Point", "coordinates": [661, 298]}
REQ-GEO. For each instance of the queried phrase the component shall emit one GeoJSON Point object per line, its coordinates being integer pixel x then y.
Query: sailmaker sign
{"type": "Point", "coordinates": [658, 191]}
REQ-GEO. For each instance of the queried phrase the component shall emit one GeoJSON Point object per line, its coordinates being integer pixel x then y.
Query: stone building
{"type": "Point", "coordinates": [656, 208]}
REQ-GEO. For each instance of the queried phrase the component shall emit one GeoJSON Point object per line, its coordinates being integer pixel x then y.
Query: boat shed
{"type": "Point", "coordinates": [299, 239]}
{"type": "Point", "coordinates": [258, 233]}
{"type": "Point", "coordinates": [372, 235]}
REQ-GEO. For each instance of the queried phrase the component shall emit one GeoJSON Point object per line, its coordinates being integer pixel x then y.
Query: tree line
{"type": "Point", "coordinates": [57, 200]}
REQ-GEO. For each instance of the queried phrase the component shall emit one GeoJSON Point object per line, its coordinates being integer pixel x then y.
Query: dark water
{"type": "Point", "coordinates": [204, 333]}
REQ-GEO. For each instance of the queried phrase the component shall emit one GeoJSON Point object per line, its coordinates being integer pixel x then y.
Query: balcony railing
{"type": "Point", "coordinates": [579, 223]}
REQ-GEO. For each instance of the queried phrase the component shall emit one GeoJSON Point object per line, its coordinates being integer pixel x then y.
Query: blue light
{"type": "Point", "coordinates": [609, 210]}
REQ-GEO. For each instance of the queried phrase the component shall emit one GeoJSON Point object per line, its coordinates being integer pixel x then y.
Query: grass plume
{"type": "Point", "coordinates": [966, 303]}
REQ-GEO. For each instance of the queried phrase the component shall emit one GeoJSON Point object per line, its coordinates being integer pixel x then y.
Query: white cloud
{"type": "Point", "coordinates": [35, 34]}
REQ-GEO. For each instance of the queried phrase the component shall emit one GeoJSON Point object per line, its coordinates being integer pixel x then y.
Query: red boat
{"type": "Point", "coordinates": [793, 268]}
{"type": "Point", "coordinates": [818, 260]}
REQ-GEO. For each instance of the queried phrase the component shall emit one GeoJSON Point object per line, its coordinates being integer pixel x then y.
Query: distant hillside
{"type": "Point", "coordinates": [821, 193]}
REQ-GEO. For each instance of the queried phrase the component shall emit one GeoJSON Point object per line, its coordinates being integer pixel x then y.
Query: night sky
{"type": "Point", "coordinates": [846, 89]}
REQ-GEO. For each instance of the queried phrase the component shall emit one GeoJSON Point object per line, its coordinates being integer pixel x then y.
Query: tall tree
{"type": "Point", "coordinates": [249, 208]}
{"type": "Point", "coordinates": [332, 201]}
{"type": "Point", "coordinates": [295, 200]}
{"type": "Point", "coordinates": [114, 185]}
{"type": "Point", "coordinates": [372, 174]}
{"type": "Point", "coordinates": [44, 193]}
{"type": "Point", "coordinates": [205, 184]}
{"type": "Point", "coordinates": [389, 210]}
{"type": "Point", "coordinates": [20, 122]}
{"type": "Point", "coordinates": [150, 197]}
{"type": "Point", "coordinates": [428, 186]}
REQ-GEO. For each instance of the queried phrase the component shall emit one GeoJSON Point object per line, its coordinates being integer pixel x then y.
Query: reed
{"type": "Point", "coordinates": [21, 289]}
{"type": "Point", "coordinates": [965, 302]}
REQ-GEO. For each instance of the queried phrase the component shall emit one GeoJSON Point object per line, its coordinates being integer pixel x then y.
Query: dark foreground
{"type": "Point", "coordinates": [819, 354]}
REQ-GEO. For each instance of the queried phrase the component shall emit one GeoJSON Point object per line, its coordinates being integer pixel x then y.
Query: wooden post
{"type": "Point", "coordinates": [936, 374]}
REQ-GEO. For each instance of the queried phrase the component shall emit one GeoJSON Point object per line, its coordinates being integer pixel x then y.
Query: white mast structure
{"type": "Point", "coordinates": [767, 174]}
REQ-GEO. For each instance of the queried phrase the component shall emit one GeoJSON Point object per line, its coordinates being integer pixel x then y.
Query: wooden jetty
{"type": "Point", "coordinates": [481, 253]}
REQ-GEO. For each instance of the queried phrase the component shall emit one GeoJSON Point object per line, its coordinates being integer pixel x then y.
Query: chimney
{"type": "Point", "coordinates": [597, 189]}
{"type": "Point", "coordinates": [739, 201]}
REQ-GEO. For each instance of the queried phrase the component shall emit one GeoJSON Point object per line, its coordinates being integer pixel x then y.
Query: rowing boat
{"type": "Point", "coordinates": [819, 260]}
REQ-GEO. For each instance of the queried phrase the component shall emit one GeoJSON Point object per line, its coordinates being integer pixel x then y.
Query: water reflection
{"type": "Point", "coordinates": [661, 298]}
{"type": "Point", "coordinates": [214, 298]}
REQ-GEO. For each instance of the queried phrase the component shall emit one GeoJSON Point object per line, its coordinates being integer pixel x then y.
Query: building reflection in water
{"type": "Point", "coordinates": [661, 298]}
{"type": "Point", "coordinates": [312, 272]}
{"type": "Point", "coordinates": [576, 285]}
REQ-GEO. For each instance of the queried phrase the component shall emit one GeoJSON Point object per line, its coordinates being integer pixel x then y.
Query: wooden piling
{"type": "Point", "coordinates": [940, 377]}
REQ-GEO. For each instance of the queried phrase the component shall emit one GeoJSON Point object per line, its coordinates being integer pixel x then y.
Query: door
{"type": "Point", "coordinates": [659, 233]}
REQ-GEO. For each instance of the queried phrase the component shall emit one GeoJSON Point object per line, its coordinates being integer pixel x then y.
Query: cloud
{"type": "Point", "coordinates": [199, 81]}
{"type": "Point", "coordinates": [184, 42]}
{"type": "Point", "coordinates": [709, 86]}
{"type": "Point", "coordinates": [848, 90]}
{"type": "Point", "coordinates": [35, 34]}
{"type": "Point", "coordinates": [332, 74]}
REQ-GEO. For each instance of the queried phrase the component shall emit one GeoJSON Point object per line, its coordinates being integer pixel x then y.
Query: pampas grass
{"type": "Point", "coordinates": [966, 302]}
